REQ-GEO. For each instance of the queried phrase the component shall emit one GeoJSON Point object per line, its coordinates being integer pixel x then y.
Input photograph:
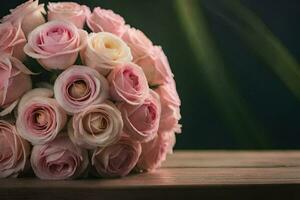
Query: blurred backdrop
{"type": "Point", "coordinates": [236, 64]}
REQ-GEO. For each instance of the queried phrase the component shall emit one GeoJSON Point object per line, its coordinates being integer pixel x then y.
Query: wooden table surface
{"type": "Point", "coordinates": [186, 174]}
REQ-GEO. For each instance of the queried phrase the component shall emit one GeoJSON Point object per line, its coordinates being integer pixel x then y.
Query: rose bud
{"type": "Point", "coordinates": [12, 40]}
{"type": "Point", "coordinates": [155, 151]}
{"type": "Point", "coordinates": [69, 11]}
{"type": "Point", "coordinates": [156, 66]}
{"type": "Point", "coordinates": [14, 82]}
{"type": "Point", "coordinates": [59, 160]}
{"type": "Point", "coordinates": [170, 104]}
{"type": "Point", "coordinates": [14, 151]}
{"type": "Point", "coordinates": [138, 42]}
{"type": "Point", "coordinates": [40, 118]}
{"type": "Point", "coordinates": [55, 44]}
{"type": "Point", "coordinates": [96, 126]}
{"type": "Point", "coordinates": [116, 160]}
{"type": "Point", "coordinates": [128, 84]}
{"type": "Point", "coordinates": [78, 87]}
{"type": "Point", "coordinates": [29, 14]}
{"type": "Point", "coordinates": [141, 121]}
{"type": "Point", "coordinates": [102, 20]}
{"type": "Point", "coordinates": [104, 51]}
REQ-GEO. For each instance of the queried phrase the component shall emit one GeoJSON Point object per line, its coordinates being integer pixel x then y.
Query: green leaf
{"type": "Point", "coordinates": [262, 42]}
{"type": "Point", "coordinates": [222, 88]}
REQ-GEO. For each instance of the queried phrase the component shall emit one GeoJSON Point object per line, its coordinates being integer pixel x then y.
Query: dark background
{"type": "Point", "coordinates": [272, 104]}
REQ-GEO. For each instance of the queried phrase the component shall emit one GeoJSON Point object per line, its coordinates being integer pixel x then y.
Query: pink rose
{"type": "Point", "coordinates": [55, 44]}
{"type": "Point", "coordinates": [14, 82]}
{"type": "Point", "coordinates": [59, 160]}
{"type": "Point", "coordinates": [12, 39]}
{"type": "Point", "coordinates": [102, 20]}
{"type": "Point", "coordinates": [141, 121]}
{"type": "Point", "coordinates": [69, 11]}
{"type": "Point", "coordinates": [138, 42]}
{"type": "Point", "coordinates": [156, 66]}
{"type": "Point", "coordinates": [28, 14]}
{"type": "Point", "coordinates": [118, 159]}
{"type": "Point", "coordinates": [156, 151]}
{"type": "Point", "coordinates": [40, 118]}
{"type": "Point", "coordinates": [96, 126]}
{"type": "Point", "coordinates": [170, 104]}
{"type": "Point", "coordinates": [128, 84]}
{"type": "Point", "coordinates": [104, 51]}
{"type": "Point", "coordinates": [78, 87]}
{"type": "Point", "coordinates": [14, 151]}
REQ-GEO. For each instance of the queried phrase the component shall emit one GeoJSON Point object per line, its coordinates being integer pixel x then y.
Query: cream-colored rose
{"type": "Point", "coordinates": [96, 126]}
{"type": "Point", "coordinates": [104, 51]}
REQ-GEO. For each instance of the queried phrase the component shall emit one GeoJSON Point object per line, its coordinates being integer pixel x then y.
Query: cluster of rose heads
{"type": "Point", "coordinates": [111, 109]}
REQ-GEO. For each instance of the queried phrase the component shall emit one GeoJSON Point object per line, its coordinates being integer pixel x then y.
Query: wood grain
{"type": "Point", "coordinates": [186, 174]}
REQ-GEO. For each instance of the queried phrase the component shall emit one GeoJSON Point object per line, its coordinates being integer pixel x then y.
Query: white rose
{"type": "Point", "coordinates": [104, 51]}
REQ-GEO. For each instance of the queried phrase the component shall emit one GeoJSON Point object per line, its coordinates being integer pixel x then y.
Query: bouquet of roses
{"type": "Point", "coordinates": [112, 107]}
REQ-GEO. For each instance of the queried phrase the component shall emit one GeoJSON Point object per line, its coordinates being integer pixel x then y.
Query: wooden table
{"type": "Point", "coordinates": [186, 175]}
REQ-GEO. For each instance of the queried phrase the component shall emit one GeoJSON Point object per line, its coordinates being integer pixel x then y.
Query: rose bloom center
{"type": "Point", "coordinates": [132, 79]}
{"type": "Point", "coordinates": [40, 118]}
{"type": "Point", "coordinates": [78, 89]}
{"type": "Point", "coordinates": [95, 123]}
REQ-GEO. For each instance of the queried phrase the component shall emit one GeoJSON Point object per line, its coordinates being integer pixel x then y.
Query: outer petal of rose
{"type": "Point", "coordinates": [170, 107]}
{"type": "Point", "coordinates": [19, 65]}
{"type": "Point", "coordinates": [16, 36]}
{"type": "Point", "coordinates": [37, 92]}
{"type": "Point", "coordinates": [154, 153]}
{"type": "Point", "coordinates": [20, 84]}
{"type": "Point", "coordinates": [18, 51]}
{"type": "Point", "coordinates": [156, 66]}
{"type": "Point", "coordinates": [15, 47]}
{"type": "Point", "coordinates": [9, 109]}
{"type": "Point", "coordinates": [34, 19]}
